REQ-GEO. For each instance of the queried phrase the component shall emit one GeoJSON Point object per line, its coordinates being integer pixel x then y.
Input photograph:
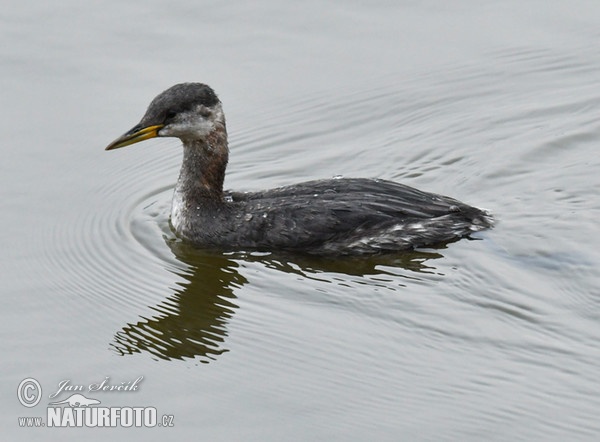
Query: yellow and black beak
{"type": "Point", "coordinates": [135, 135]}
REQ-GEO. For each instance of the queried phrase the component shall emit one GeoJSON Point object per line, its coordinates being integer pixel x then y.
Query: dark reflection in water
{"type": "Point", "coordinates": [355, 266]}
{"type": "Point", "coordinates": [192, 321]}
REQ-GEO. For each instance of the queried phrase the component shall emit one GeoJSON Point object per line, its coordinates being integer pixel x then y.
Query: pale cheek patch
{"type": "Point", "coordinates": [197, 129]}
{"type": "Point", "coordinates": [197, 124]}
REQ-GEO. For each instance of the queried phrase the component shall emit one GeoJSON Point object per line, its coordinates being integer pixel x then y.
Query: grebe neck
{"type": "Point", "coordinates": [201, 177]}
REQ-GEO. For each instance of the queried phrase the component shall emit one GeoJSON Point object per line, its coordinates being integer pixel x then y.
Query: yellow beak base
{"type": "Point", "coordinates": [135, 135]}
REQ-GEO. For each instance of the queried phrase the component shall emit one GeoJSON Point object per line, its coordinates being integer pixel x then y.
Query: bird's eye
{"type": "Point", "coordinates": [170, 115]}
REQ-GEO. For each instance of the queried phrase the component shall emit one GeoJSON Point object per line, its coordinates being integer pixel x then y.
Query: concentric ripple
{"type": "Point", "coordinates": [96, 250]}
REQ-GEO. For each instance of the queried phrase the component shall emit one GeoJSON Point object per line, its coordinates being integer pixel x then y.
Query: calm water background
{"type": "Point", "coordinates": [494, 103]}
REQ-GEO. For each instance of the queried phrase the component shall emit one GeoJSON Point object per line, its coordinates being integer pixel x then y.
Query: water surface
{"type": "Point", "coordinates": [494, 104]}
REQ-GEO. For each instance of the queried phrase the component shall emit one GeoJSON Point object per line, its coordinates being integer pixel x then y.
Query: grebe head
{"type": "Point", "coordinates": [188, 111]}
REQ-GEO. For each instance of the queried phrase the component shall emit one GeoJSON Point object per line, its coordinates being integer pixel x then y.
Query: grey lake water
{"type": "Point", "coordinates": [493, 103]}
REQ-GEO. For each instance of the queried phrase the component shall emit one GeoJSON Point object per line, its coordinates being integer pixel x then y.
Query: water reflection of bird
{"type": "Point", "coordinates": [192, 321]}
{"type": "Point", "coordinates": [335, 216]}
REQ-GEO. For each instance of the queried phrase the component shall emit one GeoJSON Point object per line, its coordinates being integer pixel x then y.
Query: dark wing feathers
{"type": "Point", "coordinates": [307, 215]}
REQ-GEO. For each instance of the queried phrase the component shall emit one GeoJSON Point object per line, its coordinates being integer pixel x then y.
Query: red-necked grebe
{"type": "Point", "coordinates": [327, 217]}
